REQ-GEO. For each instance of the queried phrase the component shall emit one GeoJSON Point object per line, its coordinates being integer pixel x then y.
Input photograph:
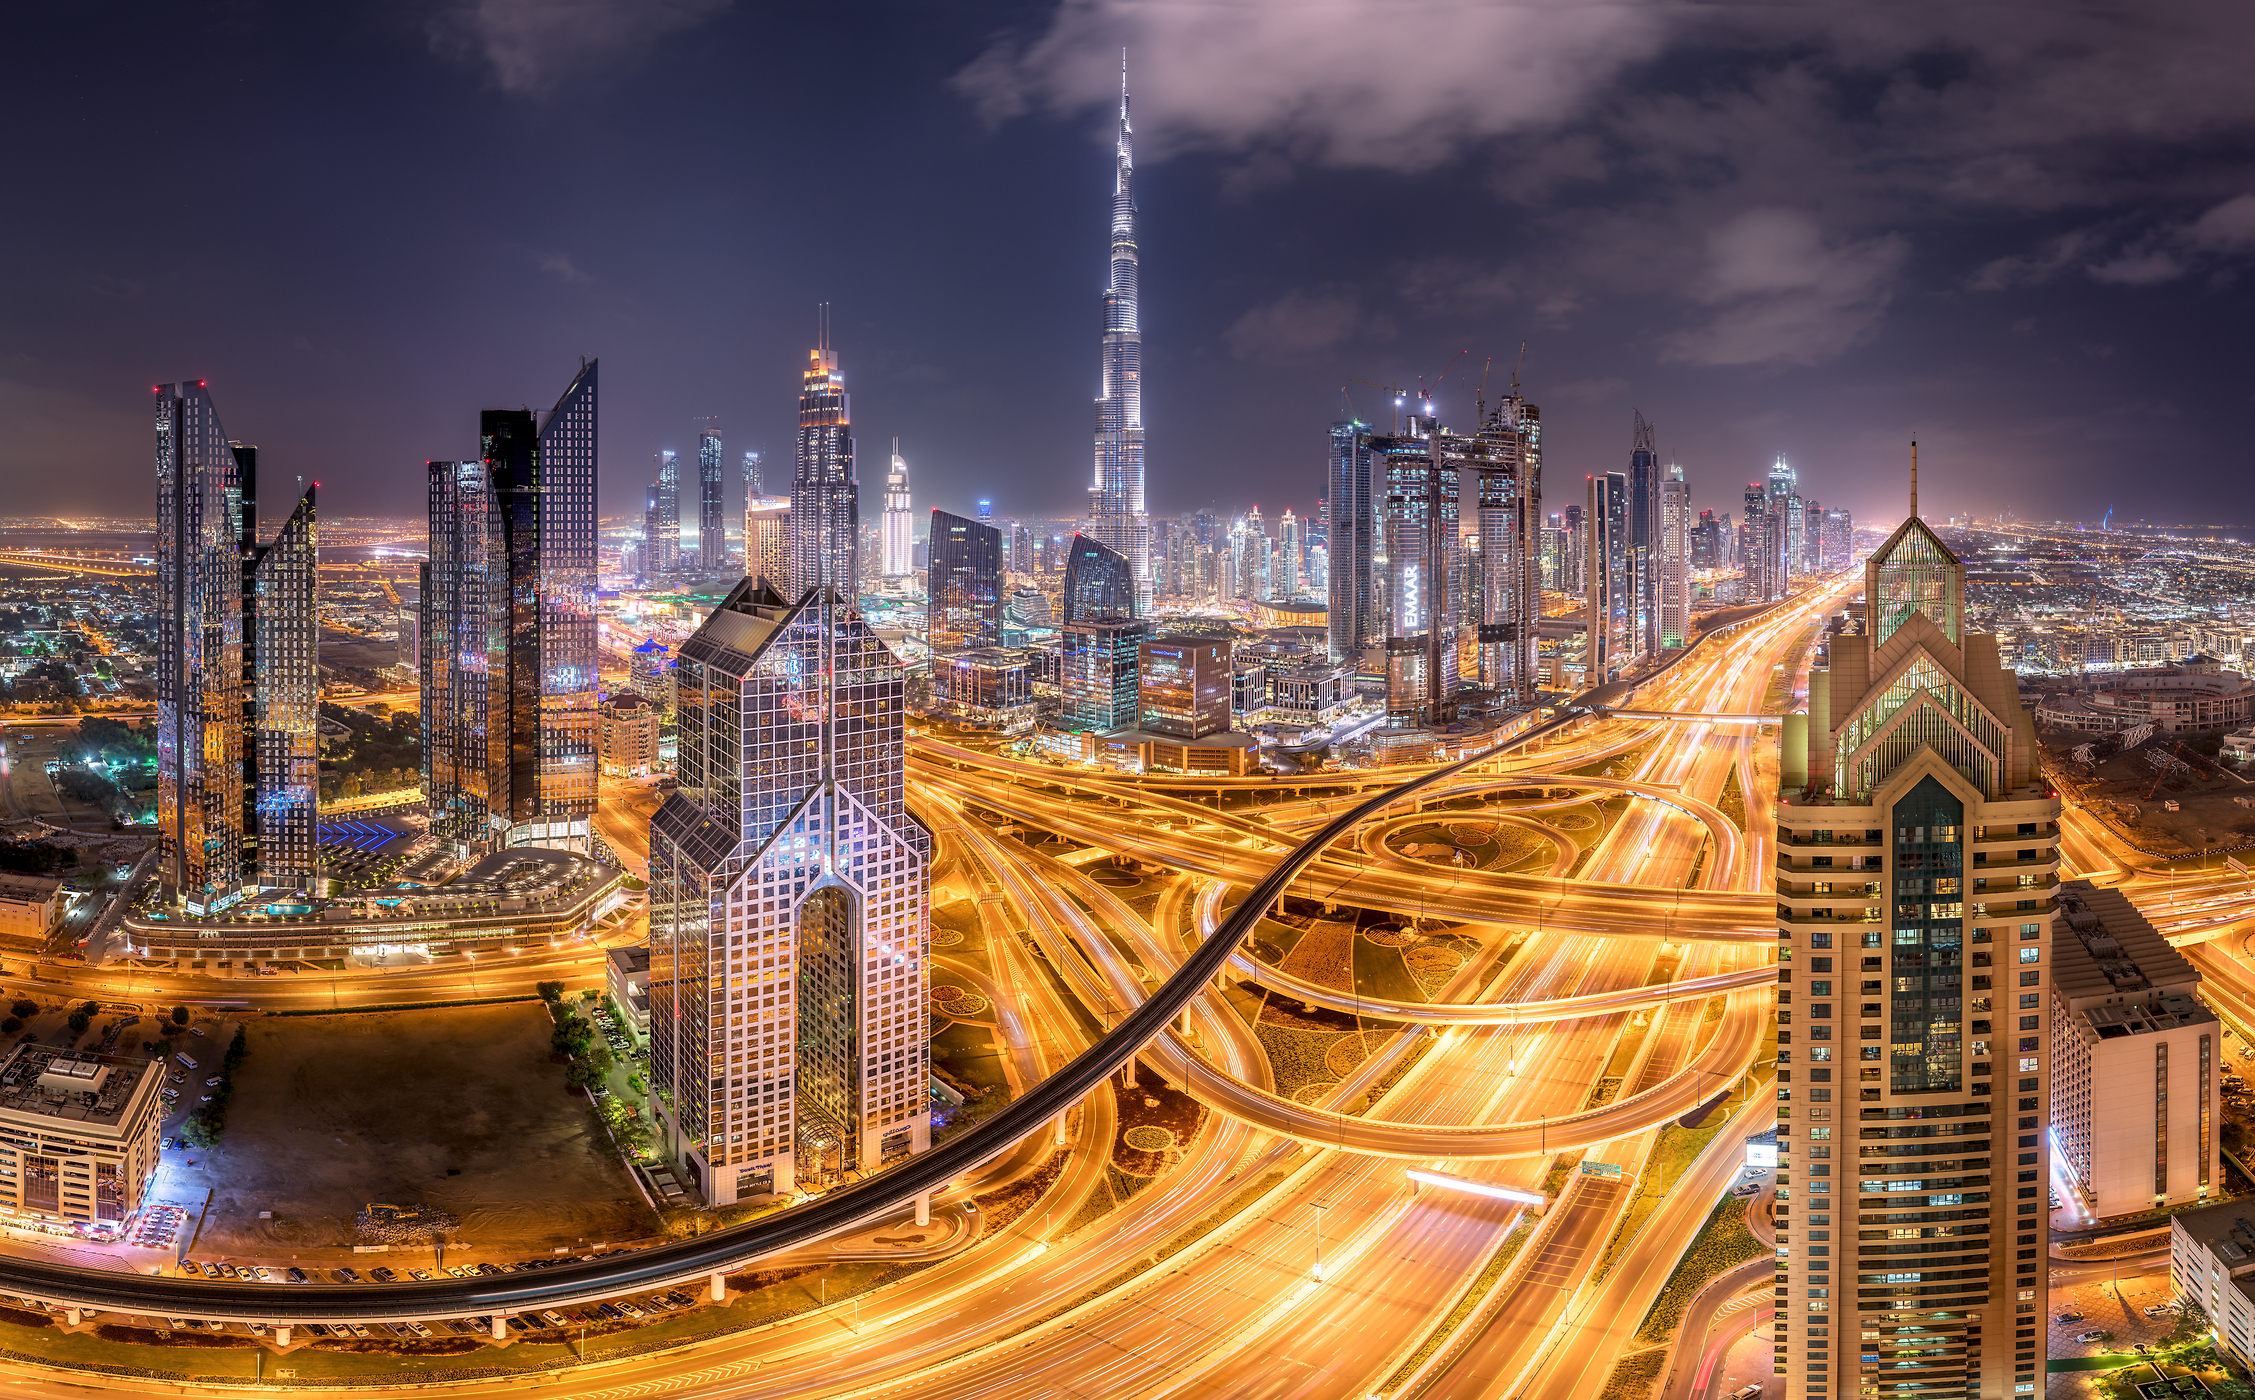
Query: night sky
{"type": "Point", "coordinates": [2021, 234]}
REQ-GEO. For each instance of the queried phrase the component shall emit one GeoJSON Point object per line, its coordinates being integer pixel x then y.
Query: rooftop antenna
{"type": "Point", "coordinates": [1522, 364]}
{"type": "Point", "coordinates": [1914, 477]}
{"type": "Point", "coordinates": [1481, 411]}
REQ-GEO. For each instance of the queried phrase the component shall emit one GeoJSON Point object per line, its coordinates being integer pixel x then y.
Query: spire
{"type": "Point", "coordinates": [1914, 476]}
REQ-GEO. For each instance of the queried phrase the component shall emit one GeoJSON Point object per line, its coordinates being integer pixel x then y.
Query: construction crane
{"type": "Point", "coordinates": [2161, 769]}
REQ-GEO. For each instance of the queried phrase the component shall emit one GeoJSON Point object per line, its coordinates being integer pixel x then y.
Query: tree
{"type": "Point", "coordinates": [25, 1008]}
{"type": "Point", "coordinates": [180, 1015]}
{"type": "Point", "coordinates": [551, 991]}
{"type": "Point", "coordinates": [11, 1025]}
{"type": "Point", "coordinates": [79, 1021]}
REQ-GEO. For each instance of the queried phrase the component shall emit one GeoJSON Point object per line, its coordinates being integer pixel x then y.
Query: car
{"type": "Point", "coordinates": [187, 1059]}
{"type": "Point", "coordinates": [2158, 1310]}
{"type": "Point", "coordinates": [257, 1327]}
{"type": "Point", "coordinates": [631, 1310]}
{"type": "Point", "coordinates": [317, 1329]}
{"type": "Point", "coordinates": [611, 1311]}
{"type": "Point", "coordinates": [420, 1275]}
{"type": "Point", "coordinates": [360, 1329]}
{"type": "Point", "coordinates": [294, 1275]}
{"type": "Point", "coordinates": [419, 1329]}
{"type": "Point", "coordinates": [1747, 1392]}
{"type": "Point", "coordinates": [1757, 1171]}
{"type": "Point", "coordinates": [195, 1030]}
{"type": "Point", "coordinates": [1750, 1188]}
{"type": "Point", "coordinates": [207, 1098]}
{"type": "Point", "coordinates": [345, 1275]}
{"type": "Point", "coordinates": [2088, 1336]}
{"type": "Point", "coordinates": [211, 1271]}
{"type": "Point", "coordinates": [492, 1269]}
{"type": "Point", "coordinates": [176, 1324]}
{"type": "Point", "coordinates": [554, 1318]}
{"type": "Point", "coordinates": [231, 1271]}
{"type": "Point", "coordinates": [263, 1274]}
{"type": "Point", "coordinates": [518, 1324]}
{"type": "Point", "coordinates": [382, 1275]}
{"type": "Point", "coordinates": [179, 1078]}
{"type": "Point", "coordinates": [212, 1083]}
{"type": "Point", "coordinates": [2065, 1318]}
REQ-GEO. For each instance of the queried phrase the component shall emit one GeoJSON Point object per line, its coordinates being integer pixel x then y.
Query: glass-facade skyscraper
{"type": "Point", "coordinates": [896, 546]}
{"type": "Point", "coordinates": [1099, 583]}
{"type": "Point", "coordinates": [825, 493]}
{"type": "Point", "coordinates": [509, 713]}
{"type": "Point", "coordinates": [1116, 515]}
{"type": "Point", "coordinates": [1917, 855]}
{"type": "Point", "coordinates": [964, 585]}
{"type": "Point", "coordinates": [237, 681]}
{"type": "Point", "coordinates": [712, 512]}
{"type": "Point", "coordinates": [789, 934]}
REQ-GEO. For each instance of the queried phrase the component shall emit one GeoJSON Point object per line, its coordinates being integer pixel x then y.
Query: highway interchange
{"type": "Point", "coordinates": [1285, 1254]}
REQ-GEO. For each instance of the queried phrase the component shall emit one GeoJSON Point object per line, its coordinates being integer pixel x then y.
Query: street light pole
{"type": "Point", "coordinates": [1319, 1209]}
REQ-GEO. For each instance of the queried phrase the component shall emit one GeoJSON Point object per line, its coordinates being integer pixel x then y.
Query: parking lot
{"type": "Point", "coordinates": [458, 1109]}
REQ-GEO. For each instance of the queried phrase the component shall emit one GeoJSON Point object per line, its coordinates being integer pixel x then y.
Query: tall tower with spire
{"type": "Point", "coordinates": [1116, 516]}
{"type": "Point", "coordinates": [825, 493]}
{"type": "Point", "coordinates": [897, 552]}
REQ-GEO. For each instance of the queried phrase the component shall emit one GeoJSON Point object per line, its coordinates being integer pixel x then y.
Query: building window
{"type": "Point", "coordinates": [2161, 1119]}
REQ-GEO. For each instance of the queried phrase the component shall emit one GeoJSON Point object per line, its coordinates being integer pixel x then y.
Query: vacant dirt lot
{"type": "Point", "coordinates": [458, 1109]}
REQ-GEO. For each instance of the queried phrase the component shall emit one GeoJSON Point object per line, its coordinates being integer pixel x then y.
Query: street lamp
{"type": "Point", "coordinates": [1320, 1207]}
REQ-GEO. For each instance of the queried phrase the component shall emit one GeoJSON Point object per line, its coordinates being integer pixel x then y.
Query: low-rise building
{"type": "Point", "coordinates": [78, 1134]}
{"type": "Point", "coordinates": [2195, 695]}
{"type": "Point", "coordinates": [1309, 694]}
{"type": "Point", "coordinates": [627, 735]}
{"type": "Point", "coordinates": [985, 681]}
{"type": "Point", "coordinates": [626, 975]}
{"type": "Point", "coordinates": [30, 905]}
{"type": "Point", "coordinates": [2212, 1262]}
{"type": "Point", "coordinates": [2134, 1059]}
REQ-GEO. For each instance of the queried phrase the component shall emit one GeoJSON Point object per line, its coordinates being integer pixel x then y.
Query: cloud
{"type": "Point", "coordinates": [532, 46]}
{"type": "Point", "coordinates": [560, 266]}
{"type": "Point", "coordinates": [1300, 325]}
{"type": "Point", "coordinates": [2227, 228]}
{"type": "Point", "coordinates": [2144, 259]}
{"type": "Point", "coordinates": [1782, 294]}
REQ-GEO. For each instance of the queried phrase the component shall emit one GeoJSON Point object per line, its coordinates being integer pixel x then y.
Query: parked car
{"type": "Point", "coordinates": [294, 1275]}
{"type": "Point", "coordinates": [211, 1083]}
{"type": "Point", "coordinates": [2088, 1336]}
{"type": "Point", "coordinates": [211, 1271]}
{"type": "Point", "coordinates": [611, 1311]}
{"type": "Point", "coordinates": [1747, 1392]}
{"type": "Point", "coordinates": [317, 1329]}
{"type": "Point", "coordinates": [630, 1309]}
{"type": "Point", "coordinates": [189, 1060]}
{"type": "Point", "coordinates": [381, 1275]}
{"type": "Point", "coordinates": [262, 1273]}
{"type": "Point", "coordinates": [419, 1329]}
{"type": "Point", "coordinates": [360, 1329]}
{"type": "Point", "coordinates": [554, 1318]}
{"type": "Point", "coordinates": [346, 1275]}
{"type": "Point", "coordinates": [194, 1030]}
{"type": "Point", "coordinates": [420, 1275]}
{"type": "Point", "coordinates": [2158, 1310]}
{"type": "Point", "coordinates": [2068, 1317]}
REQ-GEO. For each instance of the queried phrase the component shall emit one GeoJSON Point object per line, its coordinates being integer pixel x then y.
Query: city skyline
{"type": "Point", "coordinates": [1988, 338]}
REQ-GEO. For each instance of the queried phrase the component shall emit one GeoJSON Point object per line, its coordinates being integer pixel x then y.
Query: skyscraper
{"type": "Point", "coordinates": [1907, 786]}
{"type": "Point", "coordinates": [1644, 539]}
{"type": "Point", "coordinates": [712, 513]}
{"type": "Point", "coordinates": [1099, 583]}
{"type": "Point", "coordinates": [1100, 673]}
{"type": "Point", "coordinates": [1608, 590]}
{"type": "Point", "coordinates": [965, 585]}
{"type": "Point", "coordinates": [1184, 684]}
{"type": "Point", "coordinates": [897, 556]}
{"type": "Point", "coordinates": [788, 893]}
{"type": "Point", "coordinates": [509, 715]}
{"type": "Point", "coordinates": [1285, 573]}
{"type": "Point", "coordinates": [752, 484]}
{"type": "Point", "coordinates": [1674, 551]}
{"type": "Point", "coordinates": [825, 493]}
{"type": "Point", "coordinates": [237, 682]}
{"type": "Point", "coordinates": [661, 519]}
{"type": "Point", "coordinates": [1115, 501]}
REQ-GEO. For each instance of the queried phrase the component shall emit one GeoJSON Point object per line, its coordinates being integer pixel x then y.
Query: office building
{"type": "Point", "coordinates": [509, 717]}
{"type": "Point", "coordinates": [752, 479]}
{"type": "Point", "coordinates": [767, 539]}
{"type": "Point", "coordinates": [788, 907]}
{"type": "Point", "coordinates": [1674, 562]}
{"type": "Point", "coordinates": [626, 976]}
{"type": "Point", "coordinates": [1643, 543]}
{"type": "Point", "coordinates": [237, 676]}
{"type": "Point", "coordinates": [1185, 687]}
{"type": "Point", "coordinates": [986, 682]}
{"type": "Point", "coordinates": [712, 510]}
{"type": "Point", "coordinates": [964, 585]}
{"type": "Point", "coordinates": [407, 625]}
{"type": "Point", "coordinates": [30, 905]}
{"type": "Point", "coordinates": [1116, 517]}
{"type": "Point", "coordinates": [1287, 577]}
{"type": "Point", "coordinates": [1838, 548]}
{"type": "Point", "coordinates": [627, 737]}
{"type": "Point", "coordinates": [78, 1134]}
{"type": "Point", "coordinates": [1099, 583]}
{"type": "Point", "coordinates": [1355, 610]}
{"type": "Point", "coordinates": [2135, 1055]}
{"type": "Point", "coordinates": [896, 553]}
{"type": "Point", "coordinates": [825, 493]}
{"type": "Point", "coordinates": [1911, 1221]}
{"type": "Point", "coordinates": [661, 520]}
{"type": "Point", "coordinates": [2212, 1263]}
{"type": "Point", "coordinates": [1099, 673]}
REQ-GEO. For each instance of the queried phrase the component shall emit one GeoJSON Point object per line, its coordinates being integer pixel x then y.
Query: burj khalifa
{"type": "Point", "coordinates": [1116, 515]}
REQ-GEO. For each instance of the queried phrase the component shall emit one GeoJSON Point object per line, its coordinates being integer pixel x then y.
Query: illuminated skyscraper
{"type": "Point", "coordinates": [1099, 583]}
{"type": "Point", "coordinates": [236, 676]}
{"type": "Point", "coordinates": [1917, 845]}
{"type": "Point", "coordinates": [1674, 558]}
{"type": "Point", "coordinates": [788, 893]}
{"type": "Point", "coordinates": [825, 494]}
{"type": "Point", "coordinates": [712, 516]}
{"type": "Point", "coordinates": [897, 558]}
{"type": "Point", "coordinates": [767, 540]}
{"type": "Point", "coordinates": [509, 713]}
{"type": "Point", "coordinates": [965, 585]}
{"type": "Point", "coordinates": [1116, 515]}
{"type": "Point", "coordinates": [752, 485]}
{"type": "Point", "coordinates": [661, 520]}
{"type": "Point", "coordinates": [1608, 589]}
{"type": "Point", "coordinates": [1284, 570]}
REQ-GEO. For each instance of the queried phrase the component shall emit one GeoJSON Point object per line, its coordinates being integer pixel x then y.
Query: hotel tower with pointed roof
{"type": "Point", "coordinates": [1916, 872]}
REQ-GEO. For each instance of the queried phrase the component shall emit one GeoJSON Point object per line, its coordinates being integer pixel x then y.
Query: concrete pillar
{"type": "Point", "coordinates": [924, 1208]}
{"type": "Point", "coordinates": [74, 1315]}
{"type": "Point", "coordinates": [281, 1334]}
{"type": "Point", "coordinates": [500, 1328]}
{"type": "Point", "coordinates": [720, 1287]}
{"type": "Point", "coordinates": [1061, 1137]}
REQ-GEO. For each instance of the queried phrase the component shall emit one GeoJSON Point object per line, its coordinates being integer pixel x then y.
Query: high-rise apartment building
{"type": "Point", "coordinates": [788, 895]}
{"type": "Point", "coordinates": [897, 547]}
{"type": "Point", "coordinates": [1285, 569]}
{"type": "Point", "coordinates": [1673, 552]}
{"type": "Point", "coordinates": [237, 680]}
{"type": "Point", "coordinates": [509, 713]}
{"type": "Point", "coordinates": [1099, 583]}
{"type": "Point", "coordinates": [2135, 1055]}
{"type": "Point", "coordinates": [1609, 618]}
{"type": "Point", "coordinates": [1116, 515]}
{"type": "Point", "coordinates": [712, 510]}
{"type": "Point", "coordinates": [1913, 1249]}
{"type": "Point", "coordinates": [661, 520]}
{"type": "Point", "coordinates": [964, 586]}
{"type": "Point", "coordinates": [1644, 539]}
{"type": "Point", "coordinates": [1839, 544]}
{"type": "Point", "coordinates": [1355, 609]}
{"type": "Point", "coordinates": [1185, 685]}
{"type": "Point", "coordinates": [752, 481]}
{"type": "Point", "coordinates": [825, 493]}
